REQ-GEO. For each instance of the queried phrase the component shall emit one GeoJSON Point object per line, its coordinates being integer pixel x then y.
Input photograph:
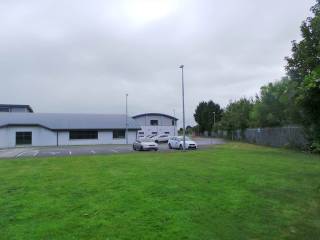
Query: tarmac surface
{"type": "Point", "coordinates": [89, 149]}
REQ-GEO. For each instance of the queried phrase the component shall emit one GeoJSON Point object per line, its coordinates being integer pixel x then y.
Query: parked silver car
{"type": "Point", "coordinates": [145, 144]}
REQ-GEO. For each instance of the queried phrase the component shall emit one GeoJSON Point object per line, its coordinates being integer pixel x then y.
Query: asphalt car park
{"type": "Point", "coordinates": [88, 150]}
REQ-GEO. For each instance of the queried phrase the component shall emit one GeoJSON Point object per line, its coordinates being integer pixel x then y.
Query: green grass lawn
{"type": "Point", "coordinates": [233, 191]}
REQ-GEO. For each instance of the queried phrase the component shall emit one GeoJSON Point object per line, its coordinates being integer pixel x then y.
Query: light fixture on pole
{"type": "Point", "coordinates": [183, 112]}
{"type": "Point", "coordinates": [126, 118]}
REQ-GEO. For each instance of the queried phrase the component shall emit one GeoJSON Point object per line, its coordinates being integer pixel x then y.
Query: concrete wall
{"type": "Point", "coordinates": [45, 137]}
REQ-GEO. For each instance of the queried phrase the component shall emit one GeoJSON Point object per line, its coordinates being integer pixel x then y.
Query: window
{"type": "Point", "coordinates": [141, 133]}
{"type": "Point", "coordinates": [78, 135]}
{"type": "Point", "coordinates": [167, 132]}
{"type": "Point", "coordinates": [154, 122]}
{"type": "Point", "coordinates": [173, 123]}
{"type": "Point", "coordinates": [4, 109]}
{"type": "Point", "coordinates": [154, 132]}
{"type": "Point", "coordinates": [119, 134]}
{"type": "Point", "coordinates": [23, 138]}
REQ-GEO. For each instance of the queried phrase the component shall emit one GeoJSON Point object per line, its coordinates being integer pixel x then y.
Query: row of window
{"type": "Point", "coordinates": [153, 133]}
{"type": "Point", "coordinates": [156, 122]}
{"type": "Point", "coordinates": [25, 138]}
{"type": "Point", "coordinates": [93, 134]}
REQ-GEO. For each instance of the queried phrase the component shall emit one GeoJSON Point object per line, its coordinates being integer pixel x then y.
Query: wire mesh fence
{"type": "Point", "coordinates": [291, 136]}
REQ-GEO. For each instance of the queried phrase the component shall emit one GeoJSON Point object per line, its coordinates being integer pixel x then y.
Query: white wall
{"type": "Point", "coordinates": [164, 125]}
{"type": "Point", "coordinates": [104, 137]}
{"type": "Point", "coordinates": [40, 136]}
{"type": "Point", "coordinates": [45, 137]}
{"type": "Point", "coordinates": [4, 138]}
{"type": "Point", "coordinates": [148, 130]}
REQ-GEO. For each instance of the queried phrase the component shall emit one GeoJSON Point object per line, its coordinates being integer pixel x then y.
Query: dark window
{"type": "Point", "coordinates": [154, 122]}
{"type": "Point", "coordinates": [154, 133]}
{"type": "Point", "coordinates": [77, 135]}
{"type": "Point", "coordinates": [167, 132]}
{"type": "Point", "coordinates": [4, 109]}
{"type": "Point", "coordinates": [173, 123]}
{"type": "Point", "coordinates": [141, 133]}
{"type": "Point", "coordinates": [23, 138]}
{"type": "Point", "coordinates": [119, 134]}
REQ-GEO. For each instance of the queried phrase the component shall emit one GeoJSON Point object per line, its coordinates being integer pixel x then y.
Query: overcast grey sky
{"type": "Point", "coordinates": [83, 56]}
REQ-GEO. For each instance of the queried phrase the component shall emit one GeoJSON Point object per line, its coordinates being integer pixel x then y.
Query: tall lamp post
{"type": "Point", "coordinates": [183, 112]}
{"type": "Point", "coordinates": [126, 118]}
{"type": "Point", "coordinates": [214, 124]}
{"type": "Point", "coordinates": [174, 122]}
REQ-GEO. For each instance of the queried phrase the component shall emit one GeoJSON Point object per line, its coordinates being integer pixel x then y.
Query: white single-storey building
{"type": "Point", "coordinates": [156, 124]}
{"type": "Point", "coordinates": [51, 129]}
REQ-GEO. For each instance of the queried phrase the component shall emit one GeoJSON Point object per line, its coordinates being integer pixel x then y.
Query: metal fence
{"type": "Point", "coordinates": [292, 136]}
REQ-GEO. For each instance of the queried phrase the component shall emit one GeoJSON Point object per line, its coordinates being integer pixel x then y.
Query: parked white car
{"type": "Point", "coordinates": [161, 138]}
{"type": "Point", "coordinates": [144, 144]}
{"type": "Point", "coordinates": [177, 143]}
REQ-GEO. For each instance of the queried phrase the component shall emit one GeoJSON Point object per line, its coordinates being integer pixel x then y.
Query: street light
{"type": "Point", "coordinates": [174, 122]}
{"type": "Point", "coordinates": [214, 124]}
{"type": "Point", "coordinates": [126, 118]}
{"type": "Point", "coordinates": [183, 116]}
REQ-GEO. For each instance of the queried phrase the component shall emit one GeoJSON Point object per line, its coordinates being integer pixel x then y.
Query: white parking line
{"type": "Point", "coordinates": [20, 154]}
{"type": "Point", "coordinates": [70, 153]}
{"type": "Point", "coordinates": [36, 153]}
{"type": "Point", "coordinates": [115, 151]}
{"type": "Point", "coordinates": [93, 152]}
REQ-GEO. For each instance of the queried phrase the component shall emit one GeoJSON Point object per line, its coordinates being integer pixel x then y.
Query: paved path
{"type": "Point", "coordinates": [88, 150]}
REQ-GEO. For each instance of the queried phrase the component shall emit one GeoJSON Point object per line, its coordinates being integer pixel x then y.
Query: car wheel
{"type": "Point", "coordinates": [156, 141]}
{"type": "Point", "coordinates": [180, 147]}
{"type": "Point", "coordinates": [133, 147]}
{"type": "Point", "coordinates": [170, 147]}
{"type": "Point", "coordinates": [141, 148]}
{"type": "Point", "coordinates": [156, 149]}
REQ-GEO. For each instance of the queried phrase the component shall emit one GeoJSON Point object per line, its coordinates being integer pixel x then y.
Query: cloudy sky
{"type": "Point", "coordinates": [84, 56]}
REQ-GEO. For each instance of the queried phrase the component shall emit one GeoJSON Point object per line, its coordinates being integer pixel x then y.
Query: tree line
{"type": "Point", "coordinates": [293, 100]}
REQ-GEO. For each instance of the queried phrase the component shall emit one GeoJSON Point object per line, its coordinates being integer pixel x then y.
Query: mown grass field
{"type": "Point", "coordinates": [234, 191]}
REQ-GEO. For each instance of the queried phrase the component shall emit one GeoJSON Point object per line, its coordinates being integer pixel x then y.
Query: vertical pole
{"type": "Point", "coordinates": [184, 121]}
{"type": "Point", "coordinates": [214, 119]}
{"type": "Point", "coordinates": [174, 123]}
{"type": "Point", "coordinates": [127, 118]}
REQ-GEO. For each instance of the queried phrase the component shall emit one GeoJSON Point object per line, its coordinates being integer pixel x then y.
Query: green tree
{"type": "Point", "coordinates": [306, 53]}
{"type": "Point", "coordinates": [205, 113]}
{"type": "Point", "coordinates": [304, 67]}
{"type": "Point", "coordinates": [237, 115]}
{"type": "Point", "coordinates": [276, 105]}
{"type": "Point", "coordinates": [309, 100]}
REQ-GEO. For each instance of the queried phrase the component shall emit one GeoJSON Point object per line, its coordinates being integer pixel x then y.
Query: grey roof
{"type": "Point", "coordinates": [16, 106]}
{"type": "Point", "coordinates": [67, 121]}
{"type": "Point", "coordinates": [154, 114]}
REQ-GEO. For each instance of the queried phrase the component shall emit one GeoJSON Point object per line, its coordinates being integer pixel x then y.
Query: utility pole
{"type": "Point", "coordinates": [126, 118]}
{"type": "Point", "coordinates": [183, 112]}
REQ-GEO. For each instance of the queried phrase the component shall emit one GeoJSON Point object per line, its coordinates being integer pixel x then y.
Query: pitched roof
{"type": "Point", "coordinates": [68, 121]}
{"type": "Point", "coordinates": [154, 114]}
